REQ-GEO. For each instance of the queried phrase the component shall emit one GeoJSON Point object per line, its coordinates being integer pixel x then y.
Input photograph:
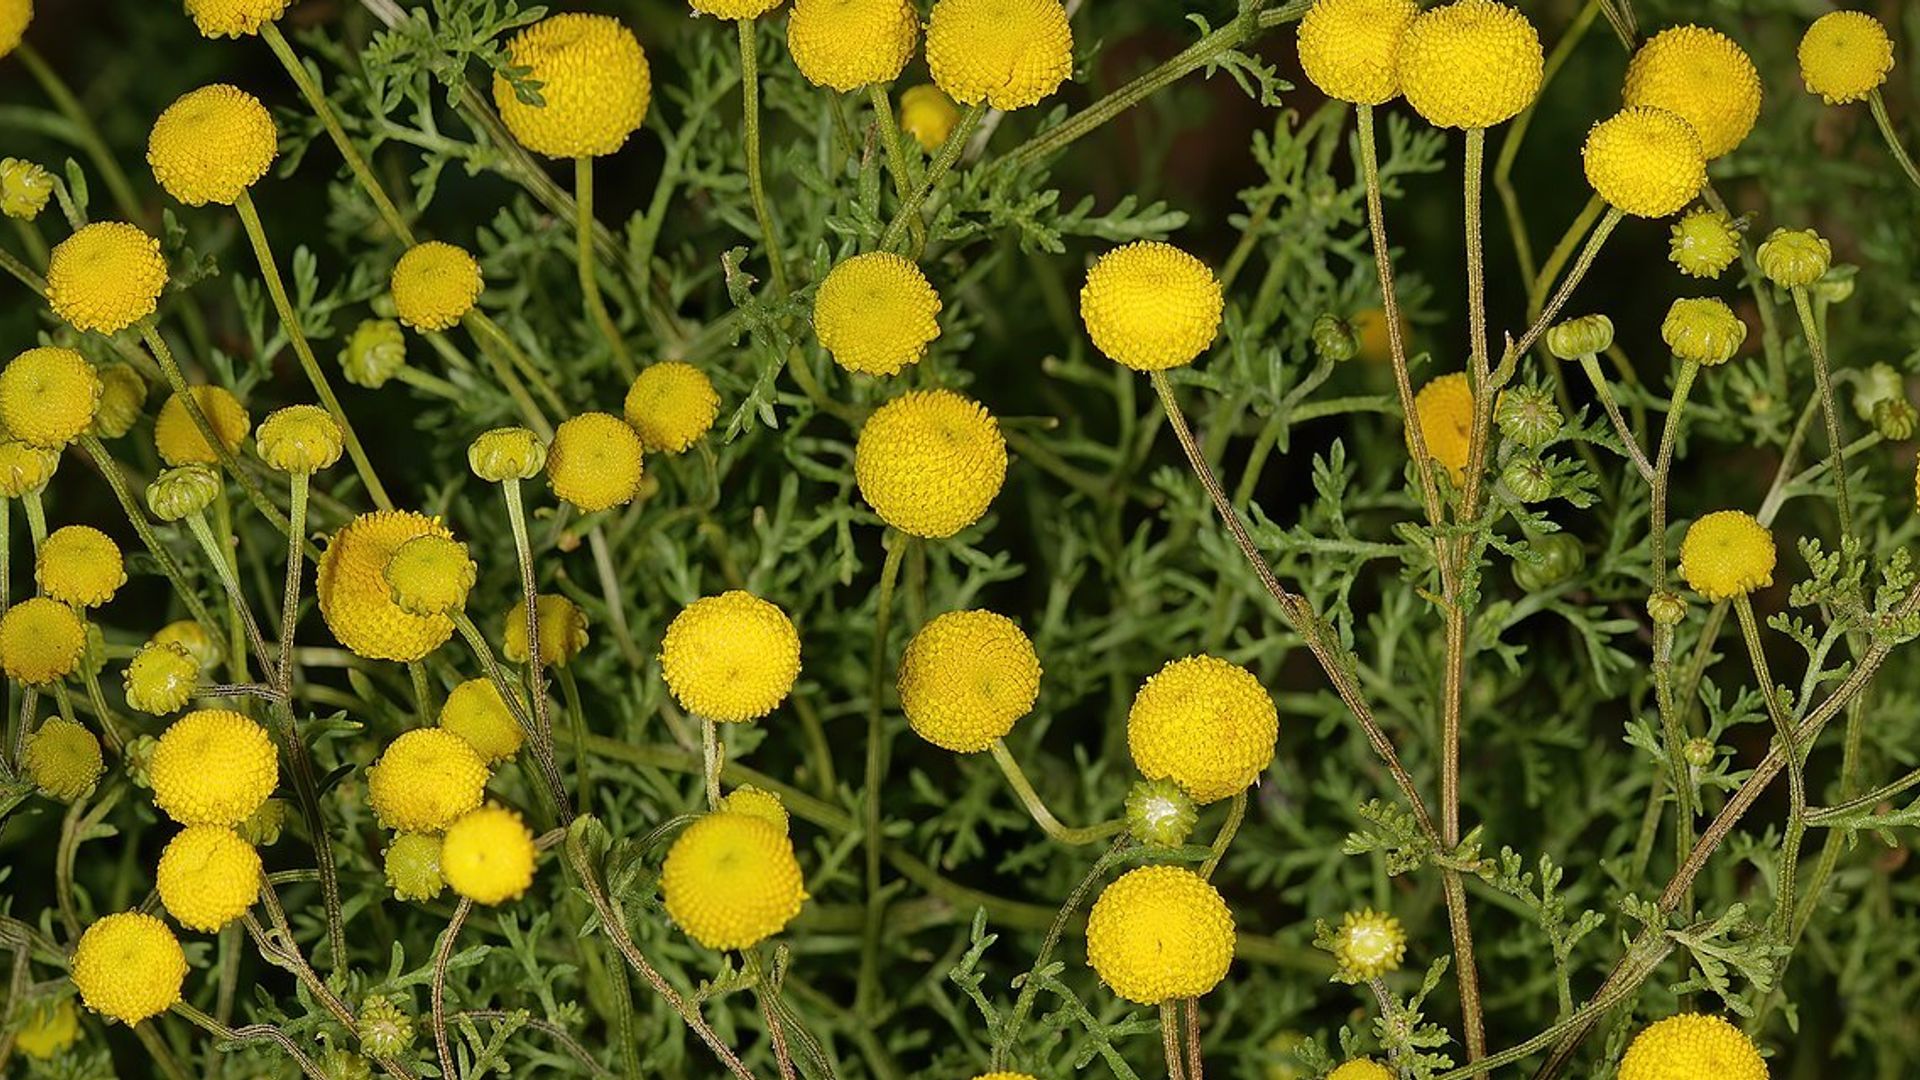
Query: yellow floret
{"type": "Point", "coordinates": [477, 713]}
{"type": "Point", "coordinates": [750, 800]}
{"type": "Point", "coordinates": [79, 565]}
{"type": "Point", "coordinates": [731, 881]}
{"type": "Point", "coordinates": [1645, 161]}
{"type": "Point", "coordinates": [41, 641]}
{"type": "Point", "coordinates": [1160, 933]}
{"type": "Point", "coordinates": [1350, 49]}
{"type": "Point", "coordinates": [876, 313]}
{"type": "Point", "coordinates": [1470, 64]}
{"type": "Point", "coordinates": [1151, 306]}
{"type": "Point", "coordinates": [48, 396]}
{"type": "Point", "coordinates": [1444, 410]}
{"type": "Point", "coordinates": [234, 18]}
{"type": "Point", "coordinates": [300, 439]}
{"type": "Point", "coordinates": [1205, 724]}
{"type": "Point", "coordinates": [63, 760]}
{"type": "Point", "coordinates": [928, 115]}
{"type": "Point", "coordinates": [434, 285]}
{"type": "Point", "coordinates": [25, 468]}
{"type": "Point", "coordinates": [212, 144]}
{"type": "Point", "coordinates": [1701, 76]}
{"type": "Point", "coordinates": [355, 599]}
{"type": "Point", "coordinates": [412, 866]}
{"type": "Point", "coordinates": [1368, 945]}
{"type": "Point", "coordinates": [106, 277]}
{"type": "Point", "coordinates": [563, 630]}
{"type": "Point", "coordinates": [425, 780]}
{"type": "Point", "coordinates": [14, 17]}
{"type": "Point", "coordinates": [671, 406]}
{"type": "Point", "coordinates": [1703, 243]}
{"type": "Point", "coordinates": [847, 44]}
{"type": "Point", "coordinates": [593, 83]}
{"type": "Point", "coordinates": [1361, 1069]}
{"type": "Point", "coordinates": [966, 678]}
{"type": "Point", "coordinates": [734, 9]}
{"type": "Point", "coordinates": [208, 877]}
{"type": "Point", "coordinates": [48, 1029]}
{"type": "Point", "coordinates": [1691, 1046]}
{"type": "Point", "coordinates": [730, 658]}
{"type": "Point", "coordinates": [1845, 56]}
{"type": "Point", "coordinates": [123, 395]}
{"type": "Point", "coordinates": [180, 440]}
{"type": "Point", "coordinates": [1727, 554]}
{"type": "Point", "coordinates": [930, 462]}
{"type": "Point", "coordinates": [213, 767]}
{"type": "Point", "coordinates": [129, 967]}
{"type": "Point", "coordinates": [595, 461]}
{"type": "Point", "coordinates": [1006, 53]}
{"type": "Point", "coordinates": [487, 856]}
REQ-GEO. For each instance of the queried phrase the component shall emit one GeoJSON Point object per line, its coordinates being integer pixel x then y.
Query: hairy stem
{"type": "Point", "coordinates": [1029, 798]}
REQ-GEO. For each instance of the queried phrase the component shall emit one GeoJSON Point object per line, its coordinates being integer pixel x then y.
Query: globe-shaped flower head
{"type": "Point", "coordinates": [212, 144]}
{"type": "Point", "coordinates": [1151, 306]}
{"type": "Point", "coordinates": [593, 86]}
{"type": "Point", "coordinates": [876, 313]}
{"type": "Point", "coordinates": [1703, 243]}
{"type": "Point", "coordinates": [208, 877]}
{"type": "Point", "coordinates": [1470, 64]}
{"type": "Point", "coordinates": [41, 641]}
{"type": "Point", "coordinates": [1645, 161]}
{"type": "Point", "coordinates": [734, 9]}
{"type": "Point", "coordinates": [47, 1029]}
{"type": "Point", "coordinates": [63, 760]}
{"type": "Point", "coordinates": [847, 44]}
{"type": "Point", "coordinates": [966, 678]}
{"type": "Point", "coordinates": [434, 285]}
{"type": "Point", "coordinates": [25, 189]}
{"type": "Point", "coordinates": [731, 881]}
{"type": "Point", "coordinates": [487, 856]}
{"type": "Point", "coordinates": [213, 767]}
{"type": "Point", "coordinates": [1160, 933]}
{"type": "Point", "coordinates": [1701, 76]}
{"type": "Point", "coordinates": [928, 115]}
{"type": "Point", "coordinates": [563, 630]}
{"type": "Point", "coordinates": [1845, 56]}
{"type": "Point", "coordinates": [79, 565]}
{"type": "Point", "coordinates": [106, 277]}
{"type": "Point", "coordinates": [595, 461]}
{"type": "Point", "coordinates": [1703, 330]}
{"type": "Point", "coordinates": [425, 780]}
{"type": "Point", "coordinates": [300, 439]}
{"type": "Point", "coordinates": [671, 406]}
{"type": "Point", "coordinates": [1350, 49]}
{"type": "Point", "coordinates": [1727, 554]}
{"type": "Point", "coordinates": [430, 575]}
{"type": "Point", "coordinates": [14, 17]}
{"type": "Point", "coordinates": [1691, 1046]}
{"type": "Point", "coordinates": [161, 677]}
{"type": "Point", "coordinates": [234, 18]}
{"type": "Point", "coordinates": [1205, 724]}
{"type": "Point", "coordinates": [357, 602]}
{"type": "Point", "coordinates": [730, 658]}
{"type": "Point", "coordinates": [1361, 1069]}
{"type": "Point", "coordinates": [1006, 53]}
{"type": "Point", "coordinates": [1444, 411]}
{"type": "Point", "coordinates": [129, 967]}
{"type": "Point", "coordinates": [181, 442]}
{"type": "Point", "coordinates": [477, 713]}
{"type": "Point", "coordinates": [48, 396]}
{"type": "Point", "coordinates": [1368, 945]}
{"type": "Point", "coordinates": [930, 462]}
{"type": "Point", "coordinates": [123, 397]}
{"type": "Point", "coordinates": [1794, 258]}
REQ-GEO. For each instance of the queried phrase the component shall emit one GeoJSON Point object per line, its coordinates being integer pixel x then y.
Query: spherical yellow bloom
{"type": "Point", "coordinates": [1470, 64]}
{"type": "Point", "coordinates": [24, 189]}
{"type": "Point", "coordinates": [876, 313]}
{"type": "Point", "coordinates": [1845, 56]}
{"type": "Point", "coordinates": [731, 881]}
{"type": "Point", "coordinates": [25, 468]}
{"type": "Point", "coordinates": [212, 144]}
{"type": "Point", "coordinates": [1368, 945]}
{"type": "Point", "coordinates": [41, 641]}
{"type": "Point", "coordinates": [563, 630]}
{"type": "Point", "coordinates": [234, 18]}
{"type": "Point", "coordinates": [14, 17]}
{"type": "Point", "coordinates": [434, 285]}
{"type": "Point", "coordinates": [106, 277]}
{"type": "Point", "coordinates": [510, 453]}
{"type": "Point", "coordinates": [412, 865]}
{"type": "Point", "coordinates": [477, 713]}
{"type": "Point", "coordinates": [1645, 161]}
{"type": "Point", "coordinates": [213, 767]}
{"type": "Point", "coordinates": [63, 760]}
{"type": "Point", "coordinates": [79, 565]}
{"type": "Point", "coordinates": [1151, 306]}
{"type": "Point", "coordinates": [1006, 53]}
{"type": "Point", "coordinates": [671, 406]}
{"type": "Point", "coordinates": [1691, 1046]}
{"type": "Point", "coordinates": [180, 440]}
{"type": "Point", "coordinates": [48, 396]}
{"type": "Point", "coordinates": [750, 800]}
{"type": "Point", "coordinates": [191, 636]}
{"type": "Point", "coordinates": [594, 86]}
{"type": "Point", "coordinates": [928, 115]}
{"type": "Point", "coordinates": [48, 1029]}
{"type": "Point", "coordinates": [1205, 724]}
{"type": "Point", "coordinates": [300, 439]}
{"type": "Point", "coordinates": [425, 780]}
{"type": "Point", "coordinates": [123, 395]}
{"type": "Point", "coordinates": [1703, 243]}
{"type": "Point", "coordinates": [595, 461]}
{"type": "Point", "coordinates": [355, 599]}
{"type": "Point", "coordinates": [182, 492]}
{"type": "Point", "coordinates": [129, 967]}
{"type": "Point", "coordinates": [731, 658]}
{"type": "Point", "coordinates": [966, 678]}
{"type": "Point", "coordinates": [487, 856]}
{"type": "Point", "coordinates": [847, 44]}
{"type": "Point", "coordinates": [734, 9]}
{"type": "Point", "coordinates": [1701, 76]}
{"type": "Point", "coordinates": [1444, 410]}
{"type": "Point", "coordinates": [1727, 554]}
{"type": "Point", "coordinates": [430, 575]}
{"type": "Point", "coordinates": [1350, 49]}
{"type": "Point", "coordinates": [1704, 330]}
{"type": "Point", "coordinates": [930, 462]}
{"type": "Point", "coordinates": [1159, 933]}
{"type": "Point", "coordinates": [1794, 258]}
{"type": "Point", "coordinates": [1361, 1069]}
{"type": "Point", "coordinates": [208, 877]}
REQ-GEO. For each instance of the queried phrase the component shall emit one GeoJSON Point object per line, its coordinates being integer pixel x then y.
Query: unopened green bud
{"type": "Point", "coordinates": [24, 189]}
{"type": "Point", "coordinates": [386, 1030]}
{"type": "Point", "coordinates": [413, 866]}
{"type": "Point", "coordinates": [1526, 477]}
{"type": "Point", "coordinates": [139, 758]}
{"type": "Point", "coordinates": [262, 828]}
{"type": "Point", "coordinates": [1334, 339]}
{"type": "Point", "coordinates": [1561, 557]}
{"type": "Point", "coordinates": [1699, 753]}
{"type": "Point", "coordinates": [1160, 813]}
{"type": "Point", "coordinates": [1703, 330]}
{"type": "Point", "coordinates": [511, 453]}
{"type": "Point", "coordinates": [1893, 419]}
{"type": "Point", "coordinates": [1528, 416]}
{"type": "Point", "coordinates": [182, 492]}
{"type": "Point", "coordinates": [1667, 608]}
{"type": "Point", "coordinates": [1795, 258]}
{"type": "Point", "coordinates": [1873, 385]}
{"type": "Point", "coordinates": [375, 353]}
{"type": "Point", "coordinates": [1588, 335]}
{"type": "Point", "coordinates": [345, 1065]}
{"type": "Point", "coordinates": [123, 394]}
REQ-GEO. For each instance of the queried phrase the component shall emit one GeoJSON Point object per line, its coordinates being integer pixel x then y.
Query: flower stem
{"type": "Point", "coordinates": [1476, 254]}
{"type": "Point", "coordinates": [899, 163]}
{"type": "Point", "coordinates": [1898, 148]}
{"type": "Point", "coordinates": [137, 517]}
{"type": "Point", "coordinates": [1236, 813]}
{"type": "Point", "coordinates": [1022, 787]}
{"type": "Point", "coordinates": [223, 568]}
{"type": "Point", "coordinates": [943, 163]}
{"type": "Point", "coordinates": [1823, 383]}
{"type": "Point", "coordinates": [1790, 746]}
{"type": "Point", "coordinates": [441, 956]}
{"type": "Point", "coordinates": [177, 381]}
{"type": "Point", "coordinates": [868, 985]}
{"type": "Point", "coordinates": [713, 755]}
{"type": "Point", "coordinates": [1009, 1032]}
{"type": "Point", "coordinates": [536, 684]}
{"type": "Point", "coordinates": [756, 183]}
{"type": "Point", "coordinates": [589, 274]}
{"type": "Point", "coordinates": [84, 132]}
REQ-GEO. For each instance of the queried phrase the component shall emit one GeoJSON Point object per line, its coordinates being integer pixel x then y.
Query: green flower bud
{"type": "Point", "coordinates": [1894, 419]}
{"type": "Point", "coordinates": [160, 678]}
{"type": "Point", "coordinates": [1334, 339]}
{"type": "Point", "coordinates": [1588, 335]}
{"type": "Point", "coordinates": [1160, 813]}
{"type": "Point", "coordinates": [1703, 330]}
{"type": "Point", "coordinates": [1836, 285]}
{"type": "Point", "coordinates": [123, 394]}
{"type": "Point", "coordinates": [1704, 243]}
{"type": "Point", "coordinates": [138, 759]}
{"type": "Point", "coordinates": [413, 866]}
{"type": "Point", "coordinates": [1528, 416]}
{"type": "Point", "coordinates": [24, 189]}
{"type": "Point", "coordinates": [24, 469]}
{"type": "Point", "coordinates": [262, 829]}
{"type": "Point", "coordinates": [386, 1030]}
{"type": "Point", "coordinates": [1666, 608]}
{"type": "Point", "coordinates": [375, 353]}
{"type": "Point", "coordinates": [299, 439]}
{"type": "Point", "coordinates": [1875, 384]}
{"type": "Point", "coordinates": [1526, 477]}
{"type": "Point", "coordinates": [182, 492]}
{"type": "Point", "coordinates": [430, 575]}
{"type": "Point", "coordinates": [1699, 753]}
{"type": "Point", "coordinates": [1795, 258]}
{"type": "Point", "coordinates": [1561, 557]}
{"type": "Point", "coordinates": [510, 453]}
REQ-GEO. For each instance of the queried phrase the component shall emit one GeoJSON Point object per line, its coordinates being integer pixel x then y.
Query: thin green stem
{"type": "Point", "coordinates": [177, 381]}
{"type": "Point", "coordinates": [1899, 149]}
{"type": "Point", "coordinates": [756, 182]}
{"type": "Point", "coordinates": [943, 163]}
{"type": "Point", "coordinates": [1629, 439]}
{"type": "Point", "coordinates": [1476, 160]}
{"type": "Point", "coordinates": [1236, 813]}
{"type": "Point", "coordinates": [137, 516]}
{"type": "Point", "coordinates": [494, 340]}
{"type": "Point", "coordinates": [84, 131]}
{"type": "Point", "coordinates": [223, 569]}
{"type": "Point", "coordinates": [897, 158]}
{"type": "Point", "coordinates": [587, 262]}
{"type": "Point", "coordinates": [714, 756]}
{"type": "Point", "coordinates": [896, 544]}
{"type": "Point", "coordinates": [536, 684]}
{"type": "Point", "coordinates": [1037, 808]}
{"type": "Point", "coordinates": [1790, 746]}
{"type": "Point", "coordinates": [1009, 1032]}
{"type": "Point", "coordinates": [1823, 384]}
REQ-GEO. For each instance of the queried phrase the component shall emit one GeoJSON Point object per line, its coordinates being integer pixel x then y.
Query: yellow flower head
{"type": "Point", "coordinates": [1704, 330]}
{"type": "Point", "coordinates": [129, 967]}
{"type": "Point", "coordinates": [1704, 243]}
{"type": "Point", "coordinates": [48, 396]}
{"type": "Point", "coordinates": [1006, 53]}
{"type": "Point", "coordinates": [14, 17]}
{"type": "Point", "coordinates": [592, 80]}
{"type": "Point", "coordinates": [430, 575]}
{"type": "Point", "coordinates": [487, 856]}
{"type": "Point", "coordinates": [595, 461]}
{"type": "Point", "coordinates": [234, 18]}
{"type": "Point", "coordinates": [1368, 945]}
{"type": "Point", "coordinates": [212, 144]}
{"type": "Point", "coordinates": [928, 115]}
{"type": "Point", "coordinates": [106, 277]}
{"type": "Point", "coordinates": [1205, 724]}
{"type": "Point", "coordinates": [876, 313]}
{"type": "Point", "coordinates": [213, 767]}
{"type": "Point", "coordinates": [434, 285]}
{"type": "Point", "coordinates": [563, 630]}
{"type": "Point", "coordinates": [731, 881]}
{"type": "Point", "coordinates": [180, 440]}
{"type": "Point", "coordinates": [41, 641]}
{"type": "Point", "coordinates": [1645, 161]}
{"type": "Point", "coordinates": [1470, 64]}
{"type": "Point", "coordinates": [182, 492]}
{"type": "Point", "coordinates": [734, 9]}
{"type": "Point", "coordinates": [48, 1029]}
{"type": "Point", "coordinates": [425, 780]}
{"type": "Point", "coordinates": [1727, 554]}
{"type": "Point", "coordinates": [930, 462]}
{"type": "Point", "coordinates": [510, 453]}
{"type": "Point", "coordinates": [1794, 258]}
{"type": "Point", "coordinates": [1845, 56]}
{"type": "Point", "coordinates": [80, 565]}
{"type": "Point", "coordinates": [208, 877]}
{"type": "Point", "coordinates": [1691, 1046]}
{"type": "Point", "coordinates": [846, 44]}
{"type": "Point", "coordinates": [375, 353]}
{"type": "Point", "coordinates": [355, 599]}
{"type": "Point", "coordinates": [671, 406]}
{"type": "Point", "coordinates": [730, 658]}
{"type": "Point", "coordinates": [750, 800]}
{"type": "Point", "coordinates": [25, 468]}
{"type": "Point", "coordinates": [1159, 933]}
{"type": "Point", "coordinates": [1701, 76]}
{"type": "Point", "coordinates": [123, 395]}
{"type": "Point", "coordinates": [24, 188]}
{"type": "Point", "coordinates": [1151, 306]}
{"type": "Point", "coordinates": [1361, 1069]}
{"type": "Point", "coordinates": [1444, 410]}
{"type": "Point", "coordinates": [191, 636]}
{"type": "Point", "coordinates": [1350, 49]}
{"type": "Point", "coordinates": [63, 760]}
{"type": "Point", "coordinates": [412, 866]}
{"type": "Point", "coordinates": [477, 713]}
{"type": "Point", "coordinates": [300, 439]}
{"type": "Point", "coordinates": [966, 678]}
